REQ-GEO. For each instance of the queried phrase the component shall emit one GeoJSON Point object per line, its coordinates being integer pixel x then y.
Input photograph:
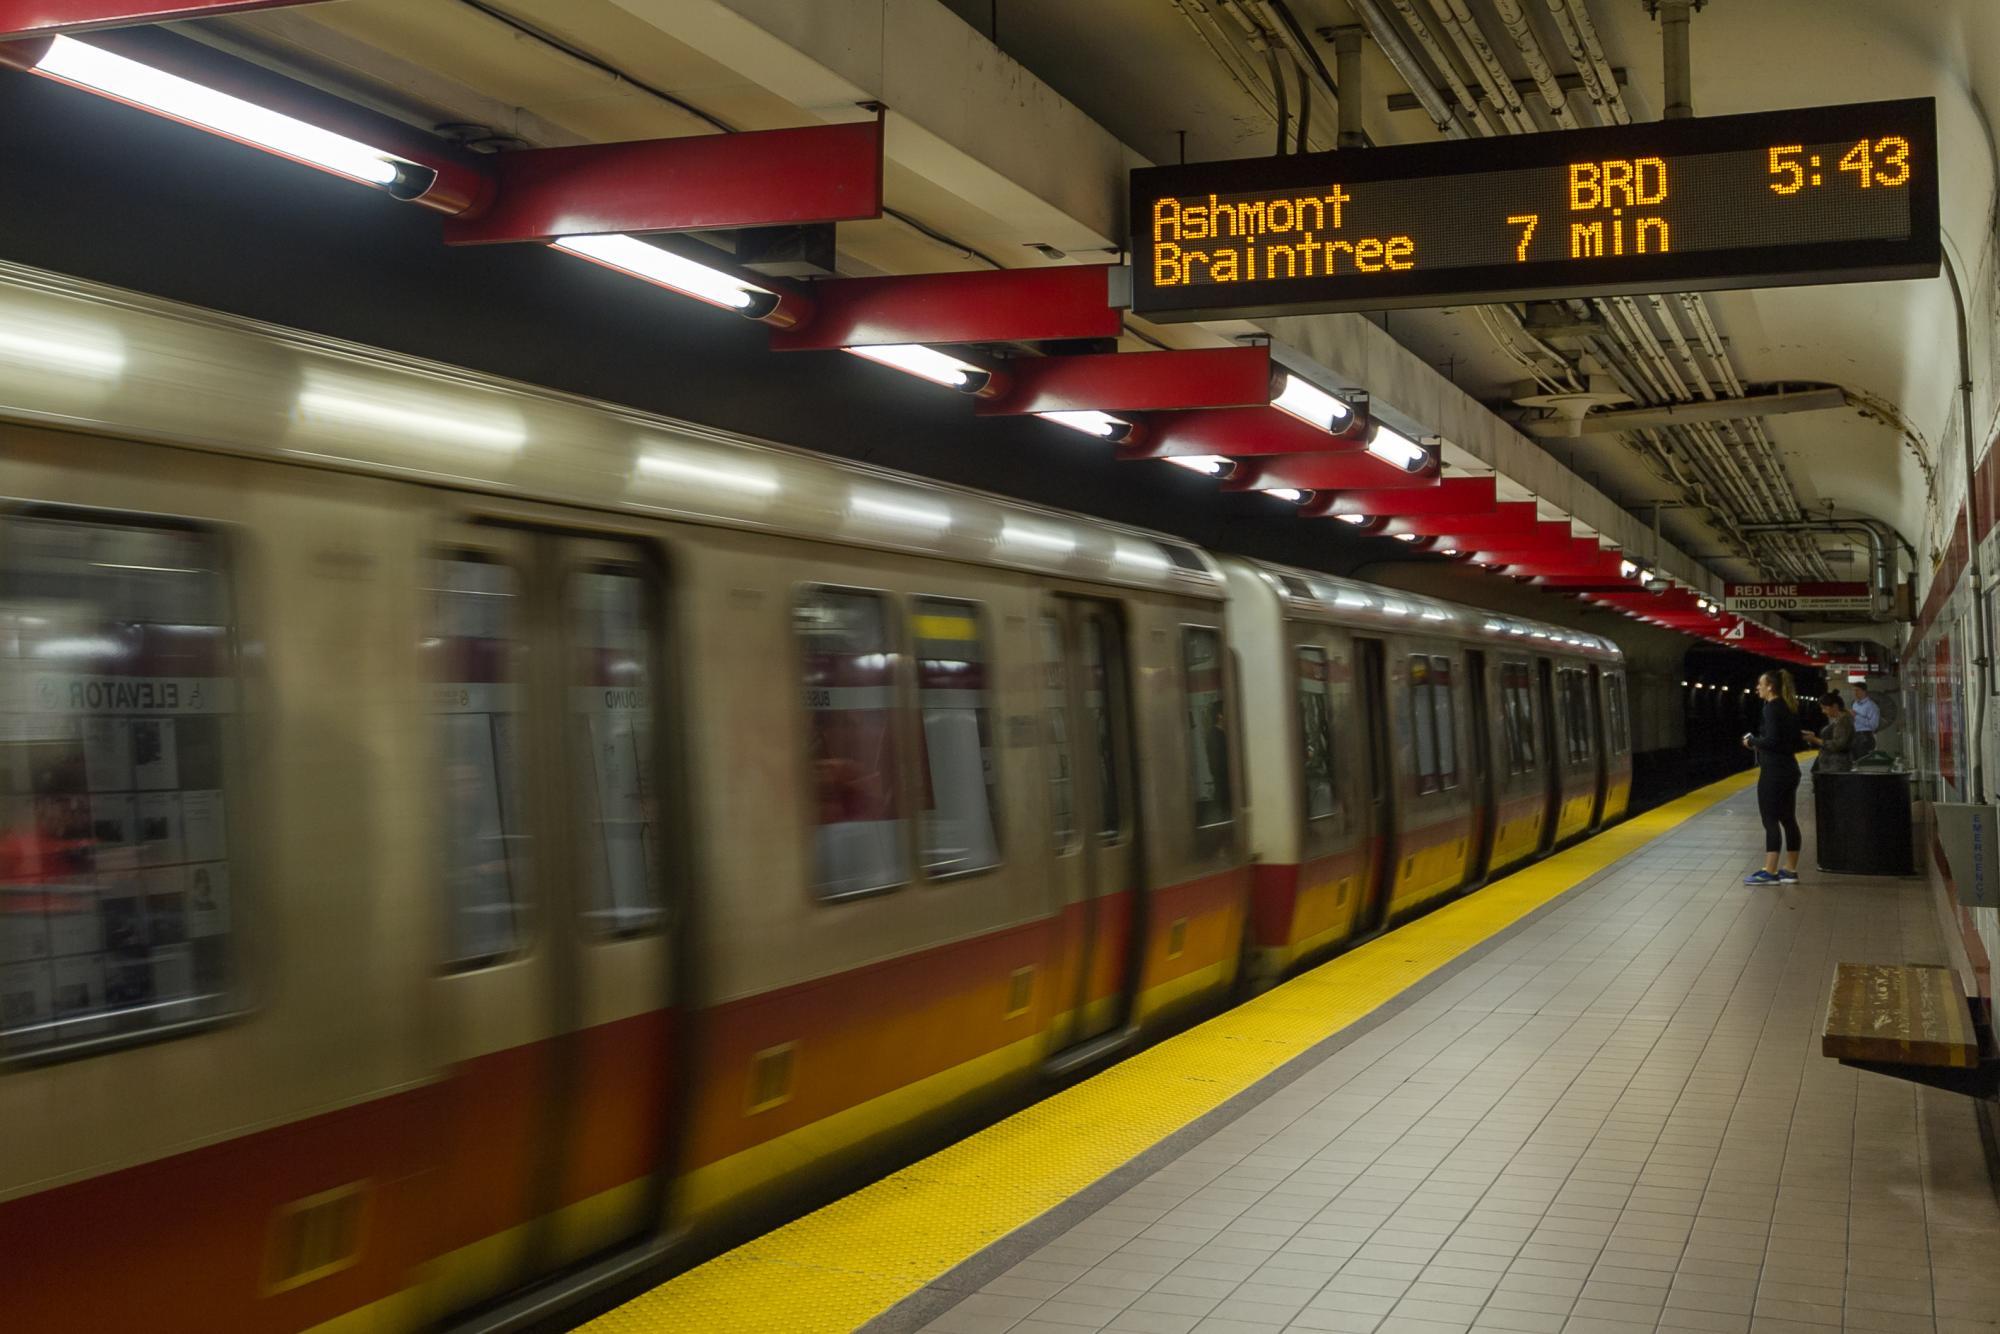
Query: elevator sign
{"type": "Point", "coordinates": [1796, 597]}
{"type": "Point", "coordinates": [1785, 198]}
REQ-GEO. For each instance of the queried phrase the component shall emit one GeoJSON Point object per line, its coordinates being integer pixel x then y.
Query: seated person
{"type": "Point", "coordinates": [1835, 740]}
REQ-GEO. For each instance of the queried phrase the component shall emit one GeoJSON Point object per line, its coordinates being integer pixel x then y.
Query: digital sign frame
{"type": "Point", "coordinates": [1772, 199]}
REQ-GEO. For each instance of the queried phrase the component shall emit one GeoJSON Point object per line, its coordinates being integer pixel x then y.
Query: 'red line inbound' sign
{"type": "Point", "coordinates": [1821, 195]}
{"type": "Point", "coordinates": [1796, 597]}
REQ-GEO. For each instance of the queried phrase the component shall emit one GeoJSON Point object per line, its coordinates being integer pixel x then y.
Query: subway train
{"type": "Point", "coordinates": [464, 845]}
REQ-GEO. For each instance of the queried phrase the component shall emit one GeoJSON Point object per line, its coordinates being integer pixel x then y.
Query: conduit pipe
{"type": "Point", "coordinates": [1428, 40]}
{"type": "Point", "coordinates": [1471, 42]}
{"type": "Point", "coordinates": [1515, 20]}
{"type": "Point", "coordinates": [1593, 51]}
{"type": "Point", "coordinates": [1447, 118]}
{"type": "Point", "coordinates": [1983, 655]}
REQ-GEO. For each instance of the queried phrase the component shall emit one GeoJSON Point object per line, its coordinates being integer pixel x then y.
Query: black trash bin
{"type": "Point", "coordinates": [1863, 822]}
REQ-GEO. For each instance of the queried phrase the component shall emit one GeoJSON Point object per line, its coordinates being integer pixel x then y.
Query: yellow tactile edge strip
{"type": "Point", "coordinates": [839, 1267]}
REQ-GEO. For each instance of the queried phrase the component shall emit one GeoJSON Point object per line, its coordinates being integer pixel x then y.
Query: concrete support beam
{"type": "Point", "coordinates": [1682, 414]}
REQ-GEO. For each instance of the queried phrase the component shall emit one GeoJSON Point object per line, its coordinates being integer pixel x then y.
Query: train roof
{"type": "Point", "coordinates": [1353, 602]}
{"type": "Point", "coordinates": [125, 364]}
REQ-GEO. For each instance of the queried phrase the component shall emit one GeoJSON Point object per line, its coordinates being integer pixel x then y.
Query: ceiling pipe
{"type": "Point", "coordinates": [1676, 72]}
{"type": "Point", "coordinates": [1477, 52]}
{"type": "Point", "coordinates": [1348, 68]}
{"type": "Point", "coordinates": [1881, 539]}
{"type": "Point", "coordinates": [1515, 20]}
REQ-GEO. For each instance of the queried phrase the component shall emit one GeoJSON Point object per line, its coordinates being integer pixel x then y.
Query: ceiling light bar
{"type": "Point", "coordinates": [1209, 465]}
{"type": "Point", "coordinates": [927, 363]}
{"type": "Point", "coordinates": [1394, 447]}
{"type": "Point", "coordinates": [1291, 493]}
{"type": "Point", "coordinates": [1358, 520]}
{"type": "Point", "coordinates": [663, 268]}
{"type": "Point", "coordinates": [97, 70]}
{"type": "Point", "coordinates": [1309, 403]}
{"type": "Point", "coordinates": [1091, 422]}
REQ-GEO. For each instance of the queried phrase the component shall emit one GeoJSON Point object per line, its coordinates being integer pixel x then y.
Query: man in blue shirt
{"type": "Point", "coordinates": [1867, 718]}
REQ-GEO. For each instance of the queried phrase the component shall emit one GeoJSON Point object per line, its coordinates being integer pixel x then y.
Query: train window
{"type": "Point", "coordinates": [118, 701]}
{"type": "Point", "coordinates": [1207, 720]}
{"type": "Point", "coordinates": [611, 720]}
{"type": "Point", "coordinates": [958, 815]}
{"type": "Point", "coordinates": [850, 672]}
{"type": "Point", "coordinates": [473, 644]}
{"type": "Point", "coordinates": [1576, 714]}
{"type": "Point", "coordinates": [1618, 720]}
{"type": "Point", "coordinates": [1097, 704]}
{"type": "Point", "coordinates": [1444, 706]}
{"type": "Point", "coordinates": [1423, 717]}
{"type": "Point", "coordinates": [1518, 715]}
{"type": "Point", "coordinates": [1061, 756]}
{"type": "Point", "coordinates": [1316, 725]}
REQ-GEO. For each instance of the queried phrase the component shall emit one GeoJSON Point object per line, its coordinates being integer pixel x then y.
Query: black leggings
{"type": "Point", "coordinates": [1777, 805]}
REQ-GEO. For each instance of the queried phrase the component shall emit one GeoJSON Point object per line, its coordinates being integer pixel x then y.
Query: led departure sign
{"type": "Point", "coordinates": [1826, 194]}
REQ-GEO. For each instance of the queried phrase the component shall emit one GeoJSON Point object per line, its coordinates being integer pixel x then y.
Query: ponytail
{"type": "Point", "coordinates": [1781, 681]}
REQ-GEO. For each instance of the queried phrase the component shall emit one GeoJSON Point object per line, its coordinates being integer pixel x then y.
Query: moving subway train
{"type": "Point", "coordinates": [462, 842]}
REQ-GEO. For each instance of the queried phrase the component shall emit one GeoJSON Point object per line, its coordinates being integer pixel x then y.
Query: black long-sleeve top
{"type": "Point", "coordinates": [1777, 740]}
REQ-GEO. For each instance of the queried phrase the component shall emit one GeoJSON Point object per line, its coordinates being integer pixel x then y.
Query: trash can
{"type": "Point", "coordinates": [1862, 822]}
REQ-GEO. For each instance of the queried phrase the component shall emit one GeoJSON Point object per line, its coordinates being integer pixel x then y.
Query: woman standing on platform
{"type": "Point", "coordinates": [1776, 743]}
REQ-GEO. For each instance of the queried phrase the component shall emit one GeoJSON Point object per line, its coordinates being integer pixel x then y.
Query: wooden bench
{"type": "Point", "coordinates": [1911, 1021]}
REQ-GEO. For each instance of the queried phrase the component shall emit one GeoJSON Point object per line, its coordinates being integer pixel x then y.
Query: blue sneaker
{"type": "Point", "coordinates": [1760, 878]}
{"type": "Point", "coordinates": [1788, 877]}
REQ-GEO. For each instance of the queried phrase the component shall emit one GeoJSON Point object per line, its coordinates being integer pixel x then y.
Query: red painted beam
{"type": "Point", "coordinates": [43, 18]}
{"type": "Point", "coordinates": [1208, 377]}
{"type": "Point", "coordinates": [1235, 433]}
{"type": "Point", "coordinates": [763, 178]}
{"type": "Point", "coordinates": [1539, 540]}
{"type": "Point", "coordinates": [1453, 495]}
{"type": "Point", "coordinates": [994, 306]}
{"type": "Point", "coordinates": [1515, 518]}
{"type": "Point", "coordinates": [1350, 471]}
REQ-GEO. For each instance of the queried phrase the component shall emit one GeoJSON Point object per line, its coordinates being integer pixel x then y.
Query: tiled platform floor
{"type": "Point", "coordinates": [1617, 1120]}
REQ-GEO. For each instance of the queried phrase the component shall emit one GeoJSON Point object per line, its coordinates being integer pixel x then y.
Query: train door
{"type": "Point", "coordinates": [1602, 735]}
{"type": "Point", "coordinates": [1102, 870]}
{"type": "Point", "coordinates": [557, 985]}
{"type": "Point", "coordinates": [1552, 758]}
{"type": "Point", "coordinates": [1481, 789]}
{"type": "Point", "coordinates": [1371, 665]}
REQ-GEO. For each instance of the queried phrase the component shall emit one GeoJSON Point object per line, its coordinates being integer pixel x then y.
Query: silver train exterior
{"type": "Point", "coordinates": [464, 842]}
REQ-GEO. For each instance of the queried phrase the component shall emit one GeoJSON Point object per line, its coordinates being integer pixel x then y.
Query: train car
{"type": "Point", "coordinates": [1403, 748]}
{"type": "Point", "coordinates": [462, 842]}
{"type": "Point", "coordinates": [461, 838]}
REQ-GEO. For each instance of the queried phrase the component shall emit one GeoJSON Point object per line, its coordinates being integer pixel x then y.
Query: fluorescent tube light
{"type": "Point", "coordinates": [927, 363]}
{"type": "Point", "coordinates": [1310, 404]}
{"type": "Point", "coordinates": [648, 263]}
{"type": "Point", "coordinates": [1100, 424]}
{"type": "Point", "coordinates": [1291, 493]}
{"type": "Point", "coordinates": [1208, 464]}
{"type": "Point", "coordinates": [1406, 537]}
{"type": "Point", "coordinates": [729, 476]}
{"type": "Point", "coordinates": [1394, 447]}
{"type": "Point", "coordinates": [99, 71]}
{"type": "Point", "coordinates": [1358, 520]}
{"type": "Point", "coordinates": [895, 509]}
{"type": "Point", "coordinates": [410, 415]}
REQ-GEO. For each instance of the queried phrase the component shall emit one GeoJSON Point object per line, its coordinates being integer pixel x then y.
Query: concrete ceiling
{"type": "Point", "coordinates": [1114, 83]}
